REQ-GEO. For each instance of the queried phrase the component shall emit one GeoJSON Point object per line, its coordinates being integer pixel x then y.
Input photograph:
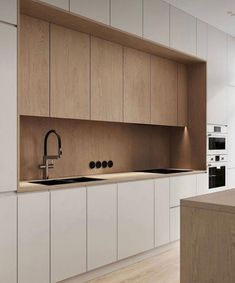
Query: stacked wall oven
{"type": "Point", "coordinates": [217, 156]}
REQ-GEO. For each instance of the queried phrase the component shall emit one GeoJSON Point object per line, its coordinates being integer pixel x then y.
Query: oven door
{"type": "Point", "coordinates": [217, 144]}
{"type": "Point", "coordinates": [217, 176]}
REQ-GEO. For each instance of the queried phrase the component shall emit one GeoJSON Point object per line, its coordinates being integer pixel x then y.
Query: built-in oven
{"type": "Point", "coordinates": [217, 171]}
{"type": "Point", "coordinates": [216, 139]}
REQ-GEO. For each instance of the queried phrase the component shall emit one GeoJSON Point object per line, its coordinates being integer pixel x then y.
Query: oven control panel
{"type": "Point", "coordinates": [216, 158]}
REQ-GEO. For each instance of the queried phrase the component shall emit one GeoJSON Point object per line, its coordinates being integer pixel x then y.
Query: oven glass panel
{"type": "Point", "coordinates": [216, 143]}
{"type": "Point", "coordinates": [217, 177]}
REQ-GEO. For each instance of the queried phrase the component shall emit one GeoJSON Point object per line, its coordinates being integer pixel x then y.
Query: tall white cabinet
{"type": "Point", "coordinates": [217, 77]}
{"type": "Point", "coordinates": [8, 238]}
{"type": "Point", "coordinates": [33, 237]}
{"type": "Point", "coordinates": [8, 107]}
{"type": "Point", "coordinates": [68, 233]}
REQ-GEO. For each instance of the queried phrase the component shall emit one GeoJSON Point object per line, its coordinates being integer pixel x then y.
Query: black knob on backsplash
{"type": "Point", "coordinates": [92, 164]}
{"type": "Point", "coordinates": [110, 163]}
{"type": "Point", "coordinates": [98, 164]}
{"type": "Point", "coordinates": [104, 164]}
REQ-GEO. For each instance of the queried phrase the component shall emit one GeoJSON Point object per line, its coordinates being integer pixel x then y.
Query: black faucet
{"type": "Point", "coordinates": [46, 158]}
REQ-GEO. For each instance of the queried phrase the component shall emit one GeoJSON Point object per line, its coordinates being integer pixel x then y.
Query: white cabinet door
{"type": "Point", "coordinates": [101, 225]}
{"type": "Point", "coordinates": [93, 9]}
{"type": "Point", "coordinates": [162, 211]}
{"type": "Point", "coordinates": [68, 233]}
{"type": "Point", "coordinates": [127, 15]}
{"type": "Point", "coordinates": [8, 108]}
{"type": "Point", "coordinates": [217, 77]}
{"type": "Point", "coordinates": [8, 11]}
{"type": "Point", "coordinates": [63, 4]}
{"type": "Point", "coordinates": [231, 61]}
{"type": "Point", "coordinates": [231, 127]}
{"type": "Point", "coordinates": [183, 29]}
{"type": "Point", "coordinates": [201, 39]}
{"type": "Point", "coordinates": [231, 178]}
{"type": "Point", "coordinates": [202, 184]}
{"type": "Point", "coordinates": [156, 21]}
{"type": "Point", "coordinates": [8, 238]}
{"type": "Point", "coordinates": [33, 238]}
{"type": "Point", "coordinates": [175, 224]}
{"type": "Point", "coordinates": [182, 187]}
{"type": "Point", "coordinates": [135, 217]}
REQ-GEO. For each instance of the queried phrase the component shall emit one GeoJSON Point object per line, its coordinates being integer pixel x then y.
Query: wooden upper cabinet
{"type": "Point", "coordinates": [34, 67]}
{"type": "Point", "coordinates": [70, 62]}
{"type": "Point", "coordinates": [136, 86]}
{"type": "Point", "coordinates": [163, 91]}
{"type": "Point", "coordinates": [106, 80]}
{"type": "Point", "coordinates": [182, 95]}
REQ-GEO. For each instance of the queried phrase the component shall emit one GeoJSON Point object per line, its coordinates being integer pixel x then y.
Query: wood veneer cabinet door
{"type": "Point", "coordinates": [163, 91]}
{"type": "Point", "coordinates": [182, 95]}
{"type": "Point", "coordinates": [34, 67]}
{"type": "Point", "coordinates": [136, 86]}
{"type": "Point", "coordinates": [70, 62]}
{"type": "Point", "coordinates": [106, 80]}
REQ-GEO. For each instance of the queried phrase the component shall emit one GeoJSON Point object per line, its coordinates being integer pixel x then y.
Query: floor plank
{"type": "Point", "coordinates": [163, 268]}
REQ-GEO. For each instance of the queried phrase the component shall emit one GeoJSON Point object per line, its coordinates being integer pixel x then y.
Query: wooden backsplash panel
{"type": "Point", "coordinates": [130, 146]}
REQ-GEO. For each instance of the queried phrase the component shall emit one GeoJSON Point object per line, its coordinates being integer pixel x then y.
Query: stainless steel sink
{"type": "Point", "coordinates": [65, 181]}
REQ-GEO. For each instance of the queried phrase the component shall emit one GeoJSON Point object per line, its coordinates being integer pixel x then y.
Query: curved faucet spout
{"type": "Point", "coordinates": [46, 158]}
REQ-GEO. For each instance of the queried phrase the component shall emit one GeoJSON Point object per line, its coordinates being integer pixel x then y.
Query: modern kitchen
{"type": "Point", "coordinates": [117, 141]}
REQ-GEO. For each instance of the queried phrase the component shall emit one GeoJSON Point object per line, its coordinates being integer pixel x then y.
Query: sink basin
{"type": "Point", "coordinates": [165, 171]}
{"type": "Point", "coordinates": [65, 181]}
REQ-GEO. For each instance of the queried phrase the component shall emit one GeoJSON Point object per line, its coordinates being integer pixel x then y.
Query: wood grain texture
{"type": "Point", "coordinates": [34, 67]}
{"type": "Point", "coordinates": [188, 144]}
{"type": "Point", "coordinates": [163, 91]}
{"type": "Point", "coordinates": [83, 141]}
{"type": "Point", "coordinates": [136, 86]}
{"type": "Point", "coordinates": [207, 246]}
{"type": "Point", "coordinates": [106, 80]}
{"type": "Point", "coordinates": [70, 60]}
{"type": "Point", "coordinates": [57, 16]}
{"type": "Point", "coordinates": [182, 95]}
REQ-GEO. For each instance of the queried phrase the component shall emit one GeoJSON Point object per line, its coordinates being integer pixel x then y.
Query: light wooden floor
{"type": "Point", "coordinates": [162, 268]}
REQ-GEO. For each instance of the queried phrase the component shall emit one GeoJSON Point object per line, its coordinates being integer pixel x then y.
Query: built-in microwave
{"type": "Point", "coordinates": [216, 139]}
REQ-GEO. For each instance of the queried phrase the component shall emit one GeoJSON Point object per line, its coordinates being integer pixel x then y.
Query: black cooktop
{"type": "Point", "coordinates": [165, 171]}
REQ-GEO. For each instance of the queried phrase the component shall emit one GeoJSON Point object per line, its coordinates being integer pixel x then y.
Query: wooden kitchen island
{"type": "Point", "coordinates": [208, 238]}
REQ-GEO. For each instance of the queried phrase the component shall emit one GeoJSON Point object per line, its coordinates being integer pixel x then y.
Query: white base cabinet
{"type": "Point", "coordinates": [135, 217]}
{"type": "Point", "coordinates": [162, 212]}
{"type": "Point", "coordinates": [174, 224]}
{"type": "Point", "coordinates": [8, 238]}
{"type": "Point", "coordinates": [33, 238]}
{"type": "Point", "coordinates": [68, 233]}
{"type": "Point", "coordinates": [101, 225]}
{"type": "Point", "coordinates": [182, 187]}
{"type": "Point", "coordinates": [202, 184]}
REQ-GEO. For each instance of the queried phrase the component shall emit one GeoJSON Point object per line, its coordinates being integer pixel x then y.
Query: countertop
{"type": "Point", "coordinates": [26, 186]}
{"type": "Point", "coordinates": [223, 201]}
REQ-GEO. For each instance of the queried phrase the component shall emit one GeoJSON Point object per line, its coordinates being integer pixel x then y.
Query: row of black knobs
{"type": "Point", "coordinates": [99, 164]}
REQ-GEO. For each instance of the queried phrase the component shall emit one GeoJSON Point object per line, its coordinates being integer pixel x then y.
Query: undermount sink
{"type": "Point", "coordinates": [165, 171]}
{"type": "Point", "coordinates": [65, 181]}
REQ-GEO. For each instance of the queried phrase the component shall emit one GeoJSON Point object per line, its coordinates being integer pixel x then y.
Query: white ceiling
{"type": "Point", "coordinates": [214, 12]}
